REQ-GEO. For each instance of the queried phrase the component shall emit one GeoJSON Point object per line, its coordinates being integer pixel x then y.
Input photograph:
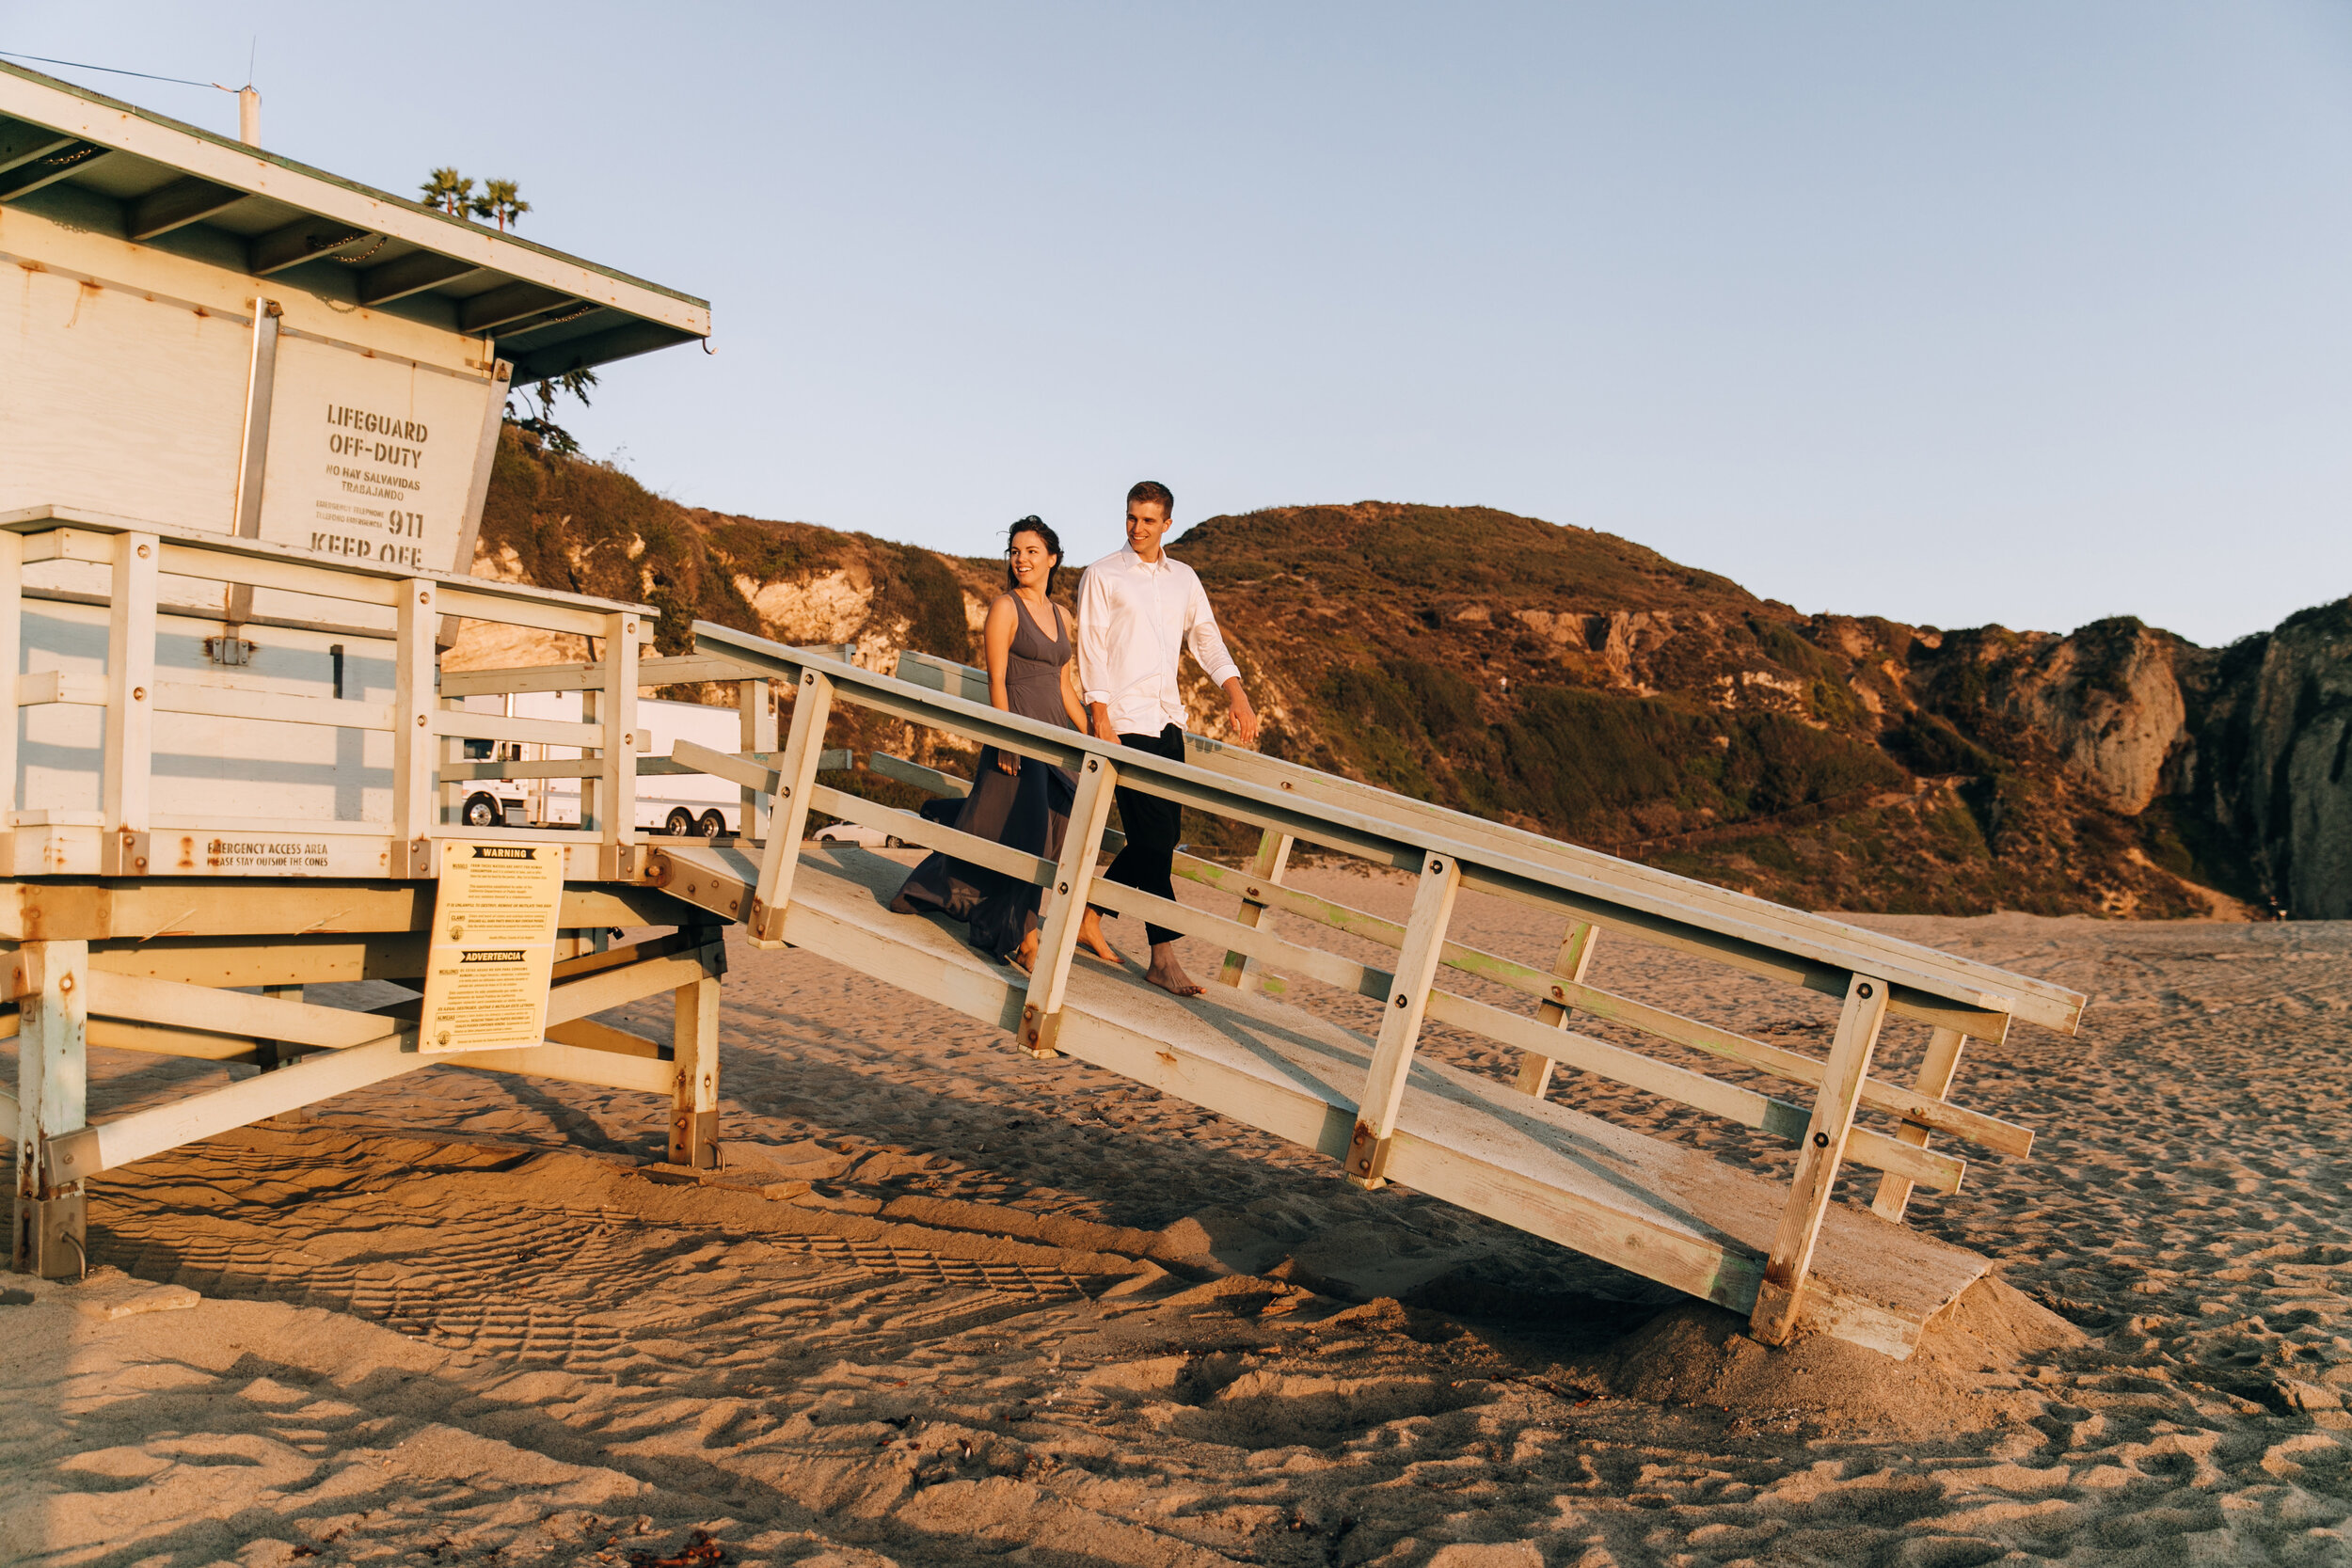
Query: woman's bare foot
{"type": "Point", "coordinates": [1167, 974]}
{"type": "Point", "coordinates": [1026, 960]}
{"type": "Point", "coordinates": [1090, 933]}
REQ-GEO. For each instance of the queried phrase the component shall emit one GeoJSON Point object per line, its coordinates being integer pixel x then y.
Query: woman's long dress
{"type": "Point", "coordinates": [1027, 811]}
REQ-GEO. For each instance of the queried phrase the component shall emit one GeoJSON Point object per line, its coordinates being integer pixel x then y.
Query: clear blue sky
{"type": "Point", "coordinates": [1957, 313]}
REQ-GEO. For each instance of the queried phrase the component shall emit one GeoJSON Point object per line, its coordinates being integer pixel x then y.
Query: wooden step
{"type": "Point", "coordinates": [1654, 1208]}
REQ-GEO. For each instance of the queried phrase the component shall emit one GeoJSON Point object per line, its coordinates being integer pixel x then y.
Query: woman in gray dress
{"type": "Point", "coordinates": [1015, 801]}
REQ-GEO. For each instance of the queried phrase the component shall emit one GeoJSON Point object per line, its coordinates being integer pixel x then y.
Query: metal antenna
{"type": "Point", "coordinates": [248, 100]}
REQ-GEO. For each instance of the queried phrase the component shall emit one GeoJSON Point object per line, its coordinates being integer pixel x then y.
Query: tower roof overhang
{"type": "Point", "coordinates": [153, 180]}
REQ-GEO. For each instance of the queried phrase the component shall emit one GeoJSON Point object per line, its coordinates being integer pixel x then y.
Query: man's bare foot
{"type": "Point", "coordinates": [1090, 933]}
{"type": "Point", "coordinates": [1167, 974]}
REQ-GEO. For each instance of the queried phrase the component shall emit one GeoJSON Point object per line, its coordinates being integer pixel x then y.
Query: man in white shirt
{"type": "Point", "coordinates": [1137, 610]}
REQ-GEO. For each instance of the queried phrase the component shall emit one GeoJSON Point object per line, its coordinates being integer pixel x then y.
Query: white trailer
{"type": "Point", "coordinates": [680, 804]}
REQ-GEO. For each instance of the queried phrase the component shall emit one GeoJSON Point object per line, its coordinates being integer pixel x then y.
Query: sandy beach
{"type": "Point", "coordinates": [948, 1305]}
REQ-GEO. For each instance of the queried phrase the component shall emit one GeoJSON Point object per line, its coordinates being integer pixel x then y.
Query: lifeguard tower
{"type": "Point", "coordinates": [247, 412]}
{"type": "Point", "coordinates": [227, 608]}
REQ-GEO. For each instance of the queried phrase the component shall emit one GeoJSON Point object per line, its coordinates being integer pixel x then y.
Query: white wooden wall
{"type": "Point", "coordinates": [124, 379]}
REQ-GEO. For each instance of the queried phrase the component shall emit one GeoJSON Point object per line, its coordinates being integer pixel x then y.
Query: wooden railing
{"type": "Point", "coordinates": [1873, 976]}
{"type": "Point", "coordinates": [136, 829]}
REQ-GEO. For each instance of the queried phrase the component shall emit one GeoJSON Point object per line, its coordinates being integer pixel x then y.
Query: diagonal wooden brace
{"type": "Point", "coordinates": [1576, 957]}
{"type": "Point", "coordinates": [1073, 876]}
{"type": "Point", "coordinates": [1936, 1071]}
{"type": "Point", "coordinates": [1780, 1295]}
{"type": "Point", "coordinates": [796, 780]}
{"type": "Point", "coordinates": [1400, 1024]}
{"type": "Point", "coordinates": [1272, 859]}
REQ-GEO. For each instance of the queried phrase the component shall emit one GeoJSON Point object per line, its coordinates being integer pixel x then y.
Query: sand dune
{"type": "Point", "coordinates": [948, 1305]}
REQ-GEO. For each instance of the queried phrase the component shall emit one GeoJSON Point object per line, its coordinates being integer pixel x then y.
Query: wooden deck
{"type": "Point", "coordinates": [1651, 1206]}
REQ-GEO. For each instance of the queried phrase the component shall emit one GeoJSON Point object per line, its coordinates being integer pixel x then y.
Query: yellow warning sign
{"type": "Point", "coordinates": [493, 948]}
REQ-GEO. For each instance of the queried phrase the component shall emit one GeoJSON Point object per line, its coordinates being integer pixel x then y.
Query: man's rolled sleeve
{"type": "Point", "coordinates": [1206, 642]}
{"type": "Point", "coordinates": [1094, 638]}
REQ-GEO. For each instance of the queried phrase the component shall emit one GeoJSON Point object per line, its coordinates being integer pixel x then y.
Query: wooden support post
{"type": "Point", "coordinates": [51, 1094]}
{"type": "Point", "coordinates": [1780, 1295]}
{"type": "Point", "coordinates": [451, 796]}
{"type": "Point", "coordinates": [695, 1100]}
{"type": "Point", "coordinates": [478, 489]}
{"type": "Point", "coordinates": [1066, 906]}
{"type": "Point", "coordinates": [616, 788]}
{"type": "Point", "coordinates": [1400, 1026]}
{"type": "Point", "coordinates": [1936, 1071]}
{"type": "Point", "coordinates": [754, 701]}
{"type": "Point", "coordinates": [414, 801]}
{"type": "Point", "coordinates": [11, 659]}
{"type": "Point", "coordinates": [273, 1054]}
{"type": "Point", "coordinates": [1576, 956]}
{"type": "Point", "coordinates": [1272, 859]}
{"type": "Point", "coordinates": [127, 780]}
{"type": "Point", "coordinates": [796, 775]}
{"type": "Point", "coordinates": [259, 389]}
{"type": "Point", "coordinates": [591, 784]}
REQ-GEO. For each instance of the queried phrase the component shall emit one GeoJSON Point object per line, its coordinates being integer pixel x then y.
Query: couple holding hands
{"type": "Point", "coordinates": [1113, 675]}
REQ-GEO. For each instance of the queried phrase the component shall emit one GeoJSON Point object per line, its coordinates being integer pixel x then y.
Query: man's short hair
{"type": "Point", "coordinates": [1152, 490]}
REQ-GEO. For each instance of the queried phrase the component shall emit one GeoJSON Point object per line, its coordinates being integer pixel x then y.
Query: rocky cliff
{"type": "Point", "coordinates": [1577, 683]}
{"type": "Point", "coordinates": [2263, 766]}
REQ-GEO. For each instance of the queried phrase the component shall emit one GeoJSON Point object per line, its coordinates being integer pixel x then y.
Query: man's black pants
{"type": "Point", "coordinates": [1152, 826]}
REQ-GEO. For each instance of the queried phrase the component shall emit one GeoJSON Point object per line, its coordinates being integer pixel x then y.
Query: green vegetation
{"type": "Point", "coordinates": [915, 584]}
{"type": "Point", "coordinates": [1930, 747]}
{"type": "Point", "coordinates": [1584, 762]}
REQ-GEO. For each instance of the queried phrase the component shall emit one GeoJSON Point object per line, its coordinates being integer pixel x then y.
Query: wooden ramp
{"type": "Point", "coordinates": [1649, 1206]}
{"type": "Point", "coordinates": [1784, 1253]}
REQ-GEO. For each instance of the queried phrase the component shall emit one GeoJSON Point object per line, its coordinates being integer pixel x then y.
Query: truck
{"type": "Point", "coordinates": [679, 804]}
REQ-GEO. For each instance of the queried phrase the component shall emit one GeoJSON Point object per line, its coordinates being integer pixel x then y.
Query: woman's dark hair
{"type": "Point", "coordinates": [1045, 531]}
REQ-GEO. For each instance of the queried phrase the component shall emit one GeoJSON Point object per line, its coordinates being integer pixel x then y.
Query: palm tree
{"type": "Point", "coordinates": [502, 200]}
{"type": "Point", "coordinates": [448, 190]}
{"type": "Point", "coordinates": [542, 424]}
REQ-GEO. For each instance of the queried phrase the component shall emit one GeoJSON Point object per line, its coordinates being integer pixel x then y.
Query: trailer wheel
{"type": "Point", "coordinates": [680, 824]}
{"type": "Point", "coordinates": [483, 811]}
{"type": "Point", "coordinates": [713, 825]}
